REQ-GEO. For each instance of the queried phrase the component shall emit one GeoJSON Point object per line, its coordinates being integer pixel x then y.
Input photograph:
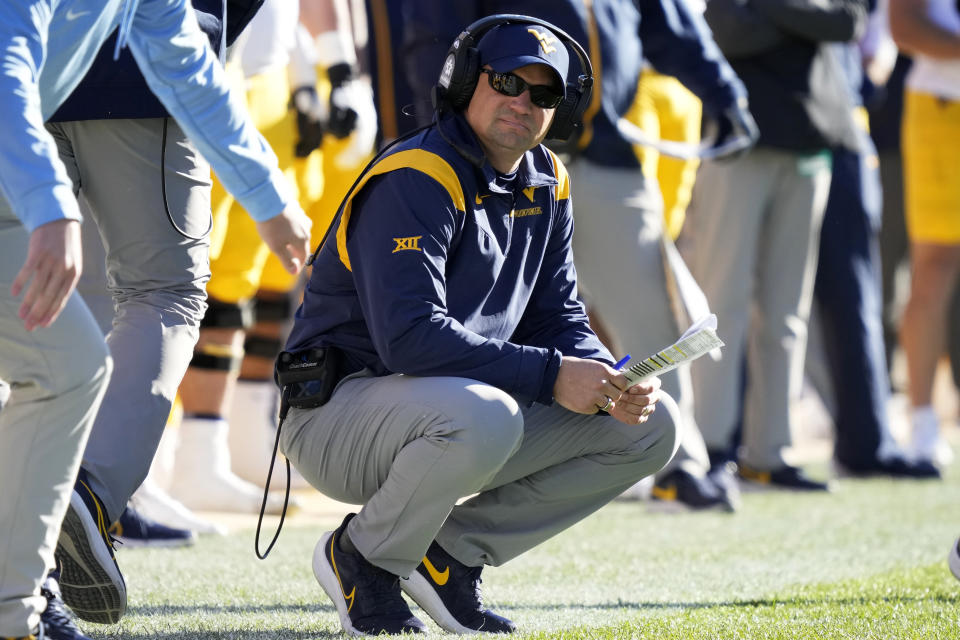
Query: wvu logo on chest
{"type": "Point", "coordinates": [523, 213]}
{"type": "Point", "coordinates": [546, 40]}
{"type": "Point", "coordinates": [530, 211]}
{"type": "Point", "coordinates": [407, 244]}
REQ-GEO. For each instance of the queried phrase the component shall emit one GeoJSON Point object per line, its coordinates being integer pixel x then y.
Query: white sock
{"type": "Point", "coordinates": [202, 479]}
{"type": "Point", "coordinates": [925, 434]}
{"type": "Point", "coordinates": [253, 431]}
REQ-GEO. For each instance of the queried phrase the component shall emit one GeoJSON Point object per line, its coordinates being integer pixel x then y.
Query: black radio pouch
{"type": "Point", "coordinates": [308, 377]}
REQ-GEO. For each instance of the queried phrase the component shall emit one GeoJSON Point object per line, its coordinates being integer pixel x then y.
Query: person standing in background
{"type": "Point", "coordinates": [929, 31]}
{"type": "Point", "coordinates": [756, 224]}
{"type": "Point", "coordinates": [51, 350]}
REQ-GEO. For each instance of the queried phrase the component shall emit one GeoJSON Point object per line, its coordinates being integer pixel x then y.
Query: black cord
{"type": "Point", "coordinates": [284, 407]}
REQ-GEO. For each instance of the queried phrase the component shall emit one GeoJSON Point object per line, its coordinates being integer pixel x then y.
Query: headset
{"type": "Point", "coordinates": [461, 69]}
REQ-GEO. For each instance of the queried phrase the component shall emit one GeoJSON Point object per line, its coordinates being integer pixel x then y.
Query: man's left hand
{"type": "Point", "coordinates": [737, 132]}
{"type": "Point", "coordinates": [638, 402]}
{"type": "Point", "coordinates": [288, 236]}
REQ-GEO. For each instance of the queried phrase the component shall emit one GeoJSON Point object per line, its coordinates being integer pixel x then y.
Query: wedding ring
{"type": "Point", "coordinates": [608, 405]}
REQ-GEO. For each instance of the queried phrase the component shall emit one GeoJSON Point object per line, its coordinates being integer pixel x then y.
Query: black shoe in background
{"type": "Point", "coordinates": [680, 488]}
{"type": "Point", "coordinates": [723, 475]}
{"type": "Point", "coordinates": [449, 591]}
{"type": "Point", "coordinates": [786, 477]}
{"type": "Point", "coordinates": [894, 467]}
{"type": "Point", "coordinates": [133, 529]}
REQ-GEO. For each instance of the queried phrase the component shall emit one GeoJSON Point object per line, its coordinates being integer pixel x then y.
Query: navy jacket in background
{"type": "Point", "coordinates": [666, 32]}
{"type": "Point", "coordinates": [435, 268]}
{"type": "Point", "coordinates": [114, 89]}
{"type": "Point", "coordinates": [391, 92]}
{"type": "Point", "coordinates": [789, 56]}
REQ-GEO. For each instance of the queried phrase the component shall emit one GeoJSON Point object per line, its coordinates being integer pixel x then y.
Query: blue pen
{"type": "Point", "coordinates": [622, 362]}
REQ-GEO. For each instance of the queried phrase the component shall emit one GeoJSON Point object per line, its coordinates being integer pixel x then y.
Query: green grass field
{"type": "Point", "coordinates": [865, 562]}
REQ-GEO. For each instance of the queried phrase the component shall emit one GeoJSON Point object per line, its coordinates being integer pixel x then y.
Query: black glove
{"type": "Point", "coordinates": [736, 132]}
{"type": "Point", "coordinates": [343, 117]}
{"type": "Point", "coordinates": [309, 120]}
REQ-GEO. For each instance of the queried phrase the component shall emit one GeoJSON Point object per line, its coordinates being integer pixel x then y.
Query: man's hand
{"type": "Point", "coordinates": [737, 132]}
{"type": "Point", "coordinates": [52, 269]}
{"type": "Point", "coordinates": [639, 401]}
{"type": "Point", "coordinates": [288, 236]}
{"type": "Point", "coordinates": [586, 386]}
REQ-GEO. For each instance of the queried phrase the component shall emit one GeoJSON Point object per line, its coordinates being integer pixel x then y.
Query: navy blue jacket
{"type": "Point", "coordinates": [434, 269]}
{"type": "Point", "coordinates": [665, 32]}
{"type": "Point", "coordinates": [114, 89]}
{"type": "Point", "coordinates": [786, 53]}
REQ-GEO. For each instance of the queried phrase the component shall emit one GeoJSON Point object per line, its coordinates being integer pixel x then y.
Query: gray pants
{"type": "Point", "coordinates": [619, 250]}
{"type": "Point", "coordinates": [409, 448]}
{"type": "Point", "coordinates": [755, 228]}
{"type": "Point", "coordinates": [57, 377]}
{"type": "Point", "coordinates": [148, 191]}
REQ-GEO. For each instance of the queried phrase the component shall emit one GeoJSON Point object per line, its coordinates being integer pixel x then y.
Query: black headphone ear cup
{"type": "Point", "coordinates": [567, 115]}
{"type": "Point", "coordinates": [466, 70]}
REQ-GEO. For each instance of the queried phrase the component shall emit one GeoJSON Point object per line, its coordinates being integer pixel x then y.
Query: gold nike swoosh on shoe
{"type": "Point", "coordinates": [440, 577]}
{"type": "Point", "coordinates": [101, 520]}
{"type": "Point", "coordinates": [668, 494]}
{"type": "Point", "coordinates": [336, 572]}
{"type": "Point", "coordinates": [763, 477]}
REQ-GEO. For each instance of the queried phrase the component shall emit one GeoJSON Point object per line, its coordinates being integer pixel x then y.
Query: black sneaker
{"type": "Point", "coordinates": [893, 467]}
{"type": "Point", "coordinates": [723, 475]}
{"type": "Point", "coordinates": [451, 595]}
{"type": "Point", "coordinates": [133, 529]}
{"type": "Point", "coordinates": [682, 489]}
{"type": "Point", "coordinates": [90, 579]}
{"type": "Point", "coordinates": [786, 477]}
{"type": "Point", "coordinates": [367, 598]}
{"type": "Point", "coordinates": [57, 622]}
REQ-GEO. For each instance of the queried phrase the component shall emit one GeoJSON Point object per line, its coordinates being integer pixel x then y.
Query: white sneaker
{"type": "Point", "coordinates": [156, 504]}
{"type": "Point", "coordinates": [202, 478]}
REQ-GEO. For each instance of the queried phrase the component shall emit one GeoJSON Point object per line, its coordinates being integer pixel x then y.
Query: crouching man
{"type": "Point", "coordinates": [444, 307]}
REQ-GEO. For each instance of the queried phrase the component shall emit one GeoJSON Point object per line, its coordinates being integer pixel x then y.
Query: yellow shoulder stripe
{"type": "Point", "coordinates": [423, 161]}
{"type": "Point", "coordinates": [563, 178]}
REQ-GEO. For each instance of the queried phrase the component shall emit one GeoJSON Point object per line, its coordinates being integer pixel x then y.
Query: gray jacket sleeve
{"type": "Point", "coordinates": [739, 30]}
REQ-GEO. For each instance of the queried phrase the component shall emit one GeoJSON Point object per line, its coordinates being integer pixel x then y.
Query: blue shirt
{"type": "Point", "coordinates": [47, 46]}
{"type": "Point", "coordinates": [440, 267]}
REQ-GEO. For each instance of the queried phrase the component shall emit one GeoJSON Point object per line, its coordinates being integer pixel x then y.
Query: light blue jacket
{"type": "Point", "coordinates": [47, 47]}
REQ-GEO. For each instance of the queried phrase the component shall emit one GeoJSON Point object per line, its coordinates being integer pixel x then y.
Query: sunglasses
{"type": "Point", "coordinates": [510, 84]}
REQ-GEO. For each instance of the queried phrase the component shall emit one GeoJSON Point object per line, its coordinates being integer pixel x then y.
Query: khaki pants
{"type": "Point", "coordinates": [619, 249]}
{"type": "Point", "coordinates": [57, 377]}
{"type": "Point", "coordinates": [755, 229]}
{"type": "Point", "coordinates": [408, 448]}
{"type": "Point", "coordinates": [148, 191]}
